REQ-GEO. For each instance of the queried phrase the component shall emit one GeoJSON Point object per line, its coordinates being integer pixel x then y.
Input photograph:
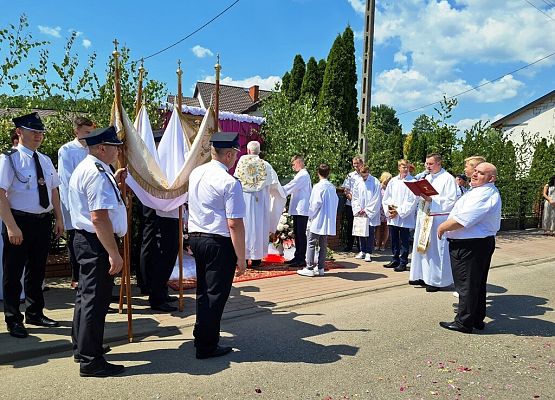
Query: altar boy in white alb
{"type": "Point", "coordinates": [430, 264]}
{"type": "Point", "coordinates": [322, 214]}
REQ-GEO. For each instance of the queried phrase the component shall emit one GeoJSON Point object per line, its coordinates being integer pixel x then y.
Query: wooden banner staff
{"type": "Point", "coordinates": [139, 101]}
{"type": "Point", "coordinates": [126, 273]}
{"type": "Point", "coordinates": [218, 68]}
{"type": "Point", "coordinates": [180, 233]}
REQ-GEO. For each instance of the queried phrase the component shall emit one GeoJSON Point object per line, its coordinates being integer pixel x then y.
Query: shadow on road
{"type": "Point", "coordinates": [280, 337]}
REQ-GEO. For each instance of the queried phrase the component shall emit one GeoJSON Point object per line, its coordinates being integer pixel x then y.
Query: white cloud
{"type": "Point", "coordinates": [358, 5]}
{"type": "Point", "coordinates": [467, 123]}
{"type": "Point", "coordinates": [202, 52]}
{"type": "Point", "coordinates": [400, 58]}
{"type": "Point", "coordinates": [359, 35]}
{"type": "Point", "coordinates": [268, 83]}
{"type": "Point", "coordinates": [86, 43]}
{"type": "Point", "coordinates": [77, 33]}
{"type": "Point", "coordinates": [410, 89]}
{"type": "Point", "coordinates": [47, 30]}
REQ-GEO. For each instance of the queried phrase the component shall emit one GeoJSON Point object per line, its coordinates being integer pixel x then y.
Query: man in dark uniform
{"type": "Point", "coordinates": [99, 217]}
{"type": "Point", "coordinates": [159, 249]}
{"type": "Point", "coordinates": [217, 237]}
{"type": "Point", "coordinates": [28, 194]}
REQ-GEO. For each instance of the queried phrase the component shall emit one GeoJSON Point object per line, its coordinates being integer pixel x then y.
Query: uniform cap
{"type": "Point", "coordinates": [30, 121]}
{"type": "Point", "coordinates": [103, 136]}
{"type": "Point", "coordinates": [462, 176]}
{"type": "Point", "coordinates": [225, 140]}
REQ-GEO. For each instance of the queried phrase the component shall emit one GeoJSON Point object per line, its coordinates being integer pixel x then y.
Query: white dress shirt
{"type": "Point", "coordinates": [446, 186]}
{"type": "Point", "coordinates": [299, 189]}
{"type": "Point", "coordinates": [367, 197]}
{"type": "Point", "coordinates": [19, 180]}
{"type": "Point", "coordinates": [214, 197]}
{"type": "Point", "coordinates": [69, 157]}
{"type": "Point", "coordinates": [399, 195]}
{"type": "Point", "coordinates": [479, 212]}
{"type": "Point", "coordinates": [349, 183]}
{"type": "Point", "coordinates": [91, 190]}
{"type": "Point", "coordinates": [323, 208]}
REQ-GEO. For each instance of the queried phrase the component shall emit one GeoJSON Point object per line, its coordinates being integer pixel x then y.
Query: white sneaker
{"type": "Point", "coordinates": [456, 294]}
{"type": "Point", "coordinates": [368, 258]}
{"type": "Point", "coordinates": [360, 256]}
{"type": "Point", "coordinates": [318, 272]}
{"type": "Point", "coordinates": [305, 272]}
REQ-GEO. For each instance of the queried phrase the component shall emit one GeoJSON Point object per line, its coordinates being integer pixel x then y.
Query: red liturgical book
{"type": "Point", "coordinates": [421, 187]}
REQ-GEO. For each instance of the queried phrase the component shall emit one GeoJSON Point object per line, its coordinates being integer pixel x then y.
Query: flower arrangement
{"type": "Point", "coordinates": [284, 237]}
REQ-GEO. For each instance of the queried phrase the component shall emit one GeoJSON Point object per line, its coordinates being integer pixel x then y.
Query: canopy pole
{"type": "Point", "coordinates": [126, 273]}
{"type": "Point", "coordinates": [218, 69]}
{"type": "Point", "coordinates": [180, 231]}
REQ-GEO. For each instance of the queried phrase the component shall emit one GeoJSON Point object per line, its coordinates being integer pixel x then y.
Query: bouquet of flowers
{"type": "Point", "coordinates": [284, 237]}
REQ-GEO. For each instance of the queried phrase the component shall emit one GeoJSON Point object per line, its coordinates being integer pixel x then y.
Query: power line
{"type": "Point", "coordinates": [540, 10]}
{"type": "Point", "coordinates": [481, 85]}
{"type": "Point", "coordinates": [189, 35]}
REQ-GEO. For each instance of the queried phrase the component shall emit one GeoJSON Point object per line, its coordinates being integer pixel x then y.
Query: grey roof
{"type": "Point", "coordinates": [501, 121]}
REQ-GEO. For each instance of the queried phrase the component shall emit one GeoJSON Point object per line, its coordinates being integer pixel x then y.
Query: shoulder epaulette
{"type": "Point", "coordinates": [9, 152]}
{"type": "Point", "coordinates": [99, 167]}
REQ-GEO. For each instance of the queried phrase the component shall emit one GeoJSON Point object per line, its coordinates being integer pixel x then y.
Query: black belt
{"type": "Point", "coordinates": [87, 233]}
{"type": "Point", "coordinates": [208, 235]}
{"type": "Point", "coordinates": [467, 240]}
{"type": "Point", "coordinates": [17, 213]}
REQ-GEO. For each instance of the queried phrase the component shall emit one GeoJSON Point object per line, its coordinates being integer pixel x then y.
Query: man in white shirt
{"type": "Point", "coordinates": [299, 189]}
{"type": "Point", "coordinates": [322, 215]}
{"type": "Point", "coordinates": [399, 205]}
{"type": "Point", "coordinates": [69, 156]}
{"type": "Point", "coordinates": [98, 215]}
{"type": "Point", "coordinates": [217, 238]}
{"type": "Point", "coordinates": [348, 186]}
{"type": "Point", "coordinates": [28, 195]}
{"type": "Point", "coordinates": [470, 231]}
{"type": "Point", "coordinates": [430, 265]}
{"type": "Point", "coordinates": [264, 200]}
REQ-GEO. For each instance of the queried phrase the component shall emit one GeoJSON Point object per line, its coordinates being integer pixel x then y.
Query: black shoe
{"type": "Point", "coordinates": [291, 261]}
{"type": "Point", "coordinates": [255, 263]}
{"type": "Point", "coordinates": [400, 268]}
{"type": "Point", "coordinates": [431, 289]}
{"type": "Point", "coordinates": [300, 264]}
{"type": "Point", "coordinates": [171, 299]}
{"type": "Point", "coordinates": [105, 349]}
{"type": "Point", "coordinates": [217, 352]}
{"type": "Point", "coordinates": [41, 320]}
{"type": "Point", "coordinates": [417, 282]}
{"type": "Point", "coordinates": [164, 307]}
{"type": "Point", "coordinates": [391, 264]}
{"type": "Point", "coordinates": [479, 325]}
{"type": "Point", "coordinates": [102, 371]}
{"type": "Point", "coordinates": [17, 329]}
{"type": "Point", "coordinates": [455, 326]}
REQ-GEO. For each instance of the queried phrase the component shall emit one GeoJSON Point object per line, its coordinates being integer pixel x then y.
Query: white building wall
{"type": "Point", "coordinates": [539, 119]}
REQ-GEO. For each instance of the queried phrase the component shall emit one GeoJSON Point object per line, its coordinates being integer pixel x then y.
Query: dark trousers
{"type": "Point", "coordinates": [299, 230]}
{"type": "Point", "coordinates": [94, 294]}
{"type": "Point", "coordinates": [367, 243]}
{"type": "Point", "coordinates": [399, 244]}
{"type": "Point", "coordinates": [30, 256]}
{"type": "Point", "coordinates": [349, 234]}
{"type": "Point", "coordinates": [470, 262]}
{"type": "Point", "coordinates": [215, 260]}
{"type": "Point", "coordinates": [71, 253]}
{"type": "Point", "coordinates": [160, 269]}
{"type": "Point", "coordinates": [149, 247]}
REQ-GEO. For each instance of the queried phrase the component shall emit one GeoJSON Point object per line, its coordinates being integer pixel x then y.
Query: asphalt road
{"type": "Point", "coordinates": [378, 345]}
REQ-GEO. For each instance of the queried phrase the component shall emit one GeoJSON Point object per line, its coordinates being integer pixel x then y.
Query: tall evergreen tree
{"type": "Point", "coordinates": [297, 75]}
{"type": "Point", "coordinates": [285, 82]}
{"type": "Point", "coordinates": [422, 128]}
{"type": "Point", "coordinates": [321, 71]}
{"type": "Point", "coordinates": [339, 84]}
{"type": "Point", "coordinates": [311, 86]}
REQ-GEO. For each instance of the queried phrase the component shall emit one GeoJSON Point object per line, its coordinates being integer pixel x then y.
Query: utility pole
{"type": "Point", "coordinates": [366, 97]}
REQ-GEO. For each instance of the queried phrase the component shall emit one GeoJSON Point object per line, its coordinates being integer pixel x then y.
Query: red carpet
{"type": "Point", "coordinates": [272, 266]}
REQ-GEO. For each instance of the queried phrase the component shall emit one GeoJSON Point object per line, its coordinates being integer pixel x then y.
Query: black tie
{"type": "Point", "coordinates": [43, 190]}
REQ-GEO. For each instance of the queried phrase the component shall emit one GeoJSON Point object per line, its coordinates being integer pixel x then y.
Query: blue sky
{"type": "Point", "coordinates": [423, 48]}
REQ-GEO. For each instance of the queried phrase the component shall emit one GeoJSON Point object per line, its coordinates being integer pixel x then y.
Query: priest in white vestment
{"type": "Point", "coordinates": [264, 200]}
{"type": "Point", "coordinates": [430, 264]}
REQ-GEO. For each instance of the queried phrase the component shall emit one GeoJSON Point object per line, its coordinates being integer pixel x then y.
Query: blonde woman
{"type": "Point", "coordinates": [548, 221]}
{"type": "Point", "coordinates": [382, 231]}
